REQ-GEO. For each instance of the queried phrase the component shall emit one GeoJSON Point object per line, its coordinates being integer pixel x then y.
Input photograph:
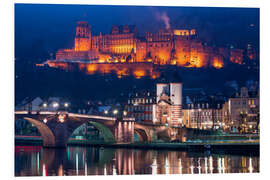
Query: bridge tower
{"type": "Point", "coordinates": [169, 100]}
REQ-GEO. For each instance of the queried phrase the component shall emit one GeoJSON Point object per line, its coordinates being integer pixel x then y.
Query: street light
{"type": "Point", "coordinates": [66, 104]}
{"type": "Point", "coordinates": [125, 113]}
{"type": "Point", "coordinates": [115, 111]}
{"type": "Point", "coordinates": [55, 105]}
{"type": "Point", "coordinates": [105, 112]}
{"type": "Point", "coordinates": [45, 120]}
{"type": "Point", "coordinates": [45, 105]}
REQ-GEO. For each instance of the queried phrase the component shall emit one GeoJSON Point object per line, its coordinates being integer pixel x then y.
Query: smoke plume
{"type": "Point", "coordinates": [164, 17]}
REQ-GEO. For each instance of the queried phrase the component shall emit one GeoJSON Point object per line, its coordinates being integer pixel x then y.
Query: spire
{"type": "Point", "coordinates": [170, 77]}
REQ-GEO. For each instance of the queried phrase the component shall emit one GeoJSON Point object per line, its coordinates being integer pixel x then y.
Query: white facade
{"type": "Point", "coordinates": [169, 104]}
{"type": "Point", "coordinates": [176, 93]}
{"type": "Point", "coordinates": [173, 90]}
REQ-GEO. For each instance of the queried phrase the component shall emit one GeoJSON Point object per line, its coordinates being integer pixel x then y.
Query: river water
{"type": "Point", "coordinates": [82, 161]}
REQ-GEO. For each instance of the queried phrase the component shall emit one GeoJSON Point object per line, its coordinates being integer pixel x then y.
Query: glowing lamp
{"type": "Point", "coordinates": [115, 111]}
{"type": "Point", "coordinates": [105, 112]}
{"type": "Point", "coordinates": [45, 120]}
{"type": "Point", "coordinates": [66, 104]}
{"type": "Point", "coordinates": [61, 118]}
{"type": "Point", "coordinates": [55, 105]}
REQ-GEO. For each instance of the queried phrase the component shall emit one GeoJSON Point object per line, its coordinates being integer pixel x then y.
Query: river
{"type": "Point", "coordinates": [82, 161]}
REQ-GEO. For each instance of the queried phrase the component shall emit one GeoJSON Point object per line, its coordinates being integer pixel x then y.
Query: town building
{"type": "Point", "coordinates": [164, 106]}
{"type": "Point", "coordinates": [141, 106]}
{"type": "Point", "coordinates": [29, 104]}
{"type": "Point", "coordinates": [204, 113]}
{"type": "Point", "coordinates": [241, 112]}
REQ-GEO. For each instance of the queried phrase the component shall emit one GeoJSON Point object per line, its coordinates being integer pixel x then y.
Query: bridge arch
{"type": "Point", "coordinates": [45, 132]}
{"type": "Point", "coordinates": [143, 135]}
{"type": "Point", "coordinates": [105, 131]}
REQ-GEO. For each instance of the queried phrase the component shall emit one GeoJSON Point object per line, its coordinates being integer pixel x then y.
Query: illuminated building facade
{"type": "Point", "coordinates": [202, 111]}
{"type": "Point", "coordinates": [123, 44]}
{"type": "Point", "coordinates": [140, 106]}
{"type": "Point", "coordinates": [236, 56]}
{"type": "Point", "coordinates": [241, 113]}
{"type": "Point", "coordinates": [203, 115]}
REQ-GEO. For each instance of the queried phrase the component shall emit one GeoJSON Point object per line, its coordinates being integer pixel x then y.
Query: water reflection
{"type": "Point", "coordinates": [81, 161]}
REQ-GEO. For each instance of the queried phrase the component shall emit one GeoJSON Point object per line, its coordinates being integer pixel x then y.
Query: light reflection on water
{"type": "Point", "coordinates": [73, 161]}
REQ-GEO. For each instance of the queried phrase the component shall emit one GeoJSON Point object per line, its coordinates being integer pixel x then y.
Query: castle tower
{"type": "Point", "coordinates": [83, 36]}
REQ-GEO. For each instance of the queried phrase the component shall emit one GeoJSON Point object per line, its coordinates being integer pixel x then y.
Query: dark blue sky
{"type": "Point", "coordinates": [43, 28]}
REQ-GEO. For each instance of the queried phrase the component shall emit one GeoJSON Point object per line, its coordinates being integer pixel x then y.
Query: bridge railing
{"type": "Point", "coordinates": [74, 115]}
{"type": "Point", "coordinates": [36, 112]}
{"type": "Point", "coordinates": [92, 116]}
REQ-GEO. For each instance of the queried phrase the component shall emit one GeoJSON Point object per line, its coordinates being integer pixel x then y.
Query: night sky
{"type": "Point", "coordinates": [41, 29]}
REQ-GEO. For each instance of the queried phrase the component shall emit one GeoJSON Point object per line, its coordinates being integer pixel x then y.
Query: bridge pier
{"type": "Point", "coordinates": [124, 131]}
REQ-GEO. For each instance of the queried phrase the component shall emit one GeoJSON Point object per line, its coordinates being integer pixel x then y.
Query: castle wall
{"type": "Point", "coordinates": [160, 51]}
{"type": "Point", "coordinates": [141, 48]}
{"type": "Point", "coordinates": [182, 52]}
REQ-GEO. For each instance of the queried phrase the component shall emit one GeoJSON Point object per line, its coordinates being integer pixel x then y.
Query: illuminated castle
{"type": "Point", "coordinates": [123, 44]}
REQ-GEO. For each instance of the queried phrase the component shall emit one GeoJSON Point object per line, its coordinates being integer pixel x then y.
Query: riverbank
{"type": "Point", "coordinates": [228, 146]}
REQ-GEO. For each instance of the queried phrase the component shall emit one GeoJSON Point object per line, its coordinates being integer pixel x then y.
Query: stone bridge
{"type": "Point", "coordinates": [56, 128]}
{"type": "Point", "coordinates": [152, 132]}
